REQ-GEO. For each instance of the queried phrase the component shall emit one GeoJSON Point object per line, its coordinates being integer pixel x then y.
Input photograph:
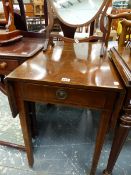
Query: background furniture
{"type": "Point", "coordinates": [121, 57]}
{"type": "Point", "coordinates": [9, 15]}
{"type": "Point", "coordinates": [117, 11]}
{"type": "Point", "coordinates": [15, 47]}
{"type": "Point", "coordinates": [122, 60]}
{"type": "Point", "coordinates": [125, 36]}
{"type": "Point", "coordinates": [11, 56]}
{"type": "Point", "coordinates": [126, 26]}
{"type": "Point", "coordinates": [38, 7]}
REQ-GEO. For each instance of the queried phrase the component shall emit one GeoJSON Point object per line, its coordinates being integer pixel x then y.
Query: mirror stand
{"type": "Point", "coordinates": [52, 16]}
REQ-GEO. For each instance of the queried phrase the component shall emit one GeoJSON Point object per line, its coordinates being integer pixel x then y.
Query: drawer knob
{"type": "Point", "coordinates": [3, 65]}
{"type": "Point", "coordinates": [61, 94]}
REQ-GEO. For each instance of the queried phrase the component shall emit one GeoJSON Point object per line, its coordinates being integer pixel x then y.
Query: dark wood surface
{"type": "Point", "coordinates": [67, 74]}
{"type": "Point", "coordinates": [122, 59]}
{"type": "Point", "coordinates": [12, 54]}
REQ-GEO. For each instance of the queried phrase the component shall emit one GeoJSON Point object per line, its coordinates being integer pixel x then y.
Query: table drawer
{"type": "Point", "coordinates": [6, 66]}
{"type": "Point", "coordinates": [63, 95]}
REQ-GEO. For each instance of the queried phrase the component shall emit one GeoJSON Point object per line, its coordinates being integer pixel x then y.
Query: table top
{"type": "Point", "coordinates": [21, 45]}
{"type": "Point", "coordinates": [69, 64]}
{"type": "Point", "coordinates": [24, 48]}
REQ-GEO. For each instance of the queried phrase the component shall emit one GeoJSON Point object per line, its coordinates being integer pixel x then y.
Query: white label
{"type": "Point", "coordinates": [116, 83]}
{"type": "Point", "coordinates": [65, 79]}
{"type": "Point", "coordinates": [24, 53]}
{"type": "Point", "coordinates": [76, 40]}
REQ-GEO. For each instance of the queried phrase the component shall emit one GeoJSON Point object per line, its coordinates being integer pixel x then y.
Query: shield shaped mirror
{"type": "Point", "coordinates": [78, 12]}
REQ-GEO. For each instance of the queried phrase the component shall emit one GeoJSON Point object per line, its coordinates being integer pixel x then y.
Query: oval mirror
{"type": "Point", "coordinates": [77, 12]}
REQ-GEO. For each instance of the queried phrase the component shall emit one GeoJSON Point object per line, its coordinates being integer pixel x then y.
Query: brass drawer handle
{"type": "Point", "coordinates": [61, 94]}
{"type": "Point", "coordinates": [3, 65]}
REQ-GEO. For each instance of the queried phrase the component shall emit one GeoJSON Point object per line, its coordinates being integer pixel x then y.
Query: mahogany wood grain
{"type": "Point", "coordinates": [71, 74]}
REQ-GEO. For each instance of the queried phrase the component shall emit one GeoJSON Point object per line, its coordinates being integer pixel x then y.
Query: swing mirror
{"type": "Point", "coordinates": [78, 12]}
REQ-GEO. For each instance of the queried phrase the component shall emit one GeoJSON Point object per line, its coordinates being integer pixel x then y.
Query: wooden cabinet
{"type": "Point", "coordinates": [29, 9]}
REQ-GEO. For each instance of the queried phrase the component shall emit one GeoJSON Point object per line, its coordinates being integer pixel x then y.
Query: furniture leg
{"type": "Point", "coordinates": [101, 133]}
{"type": "Point", "coordinates": [120, 136]}
{"type": "Point", "coordinates": [2, 85]}
{"type": "Point", "coordinates": [25, 125]}
{"type": "Point", "coordinates": [6, 143]}
{"type": "Point", "coordinates": [33, 121]}
{"type": "Point", "coordinates": [13, 145]}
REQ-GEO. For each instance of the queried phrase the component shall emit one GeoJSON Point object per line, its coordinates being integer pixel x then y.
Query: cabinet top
{"type": "Point", "coordinates": [122, 60]}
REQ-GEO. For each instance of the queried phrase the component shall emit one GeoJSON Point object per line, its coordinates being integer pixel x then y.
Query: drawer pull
{"type": "Point", "coordinates": [61, 94]}
{"type": "Point", "coordinates": [3, 65]}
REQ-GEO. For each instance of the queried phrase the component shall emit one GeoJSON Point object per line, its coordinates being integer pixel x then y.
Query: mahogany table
{"type": "Point", "coordinates": [67, 74]}
{"type": "Point", "coordinates": [122, 59]}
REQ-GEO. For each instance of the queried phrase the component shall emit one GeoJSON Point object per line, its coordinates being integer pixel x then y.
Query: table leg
{"type": "Point", "coordinates": [120, 136]}
{"type": "Point", "coordinates": [33, 121]}
{"type": "Point", "coordinates": [26, 130]}
{"type": "Point", "coordinates": [2, 85]}
{"type": "Point", "coordinates": [100, 138]}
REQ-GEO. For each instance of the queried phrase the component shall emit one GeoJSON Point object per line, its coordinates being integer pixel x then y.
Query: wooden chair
{"type": "Point", "coordinates": [126, 17]}
{"type": "Point", "coordinates": [125, 36]}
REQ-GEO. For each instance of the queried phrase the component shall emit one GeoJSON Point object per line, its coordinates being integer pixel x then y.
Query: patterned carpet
{"type": "Point", "coordinates": [10, 130]}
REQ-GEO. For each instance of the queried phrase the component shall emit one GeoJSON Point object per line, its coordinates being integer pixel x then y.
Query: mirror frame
{"type": "Point", "coordinates": [103, 7]}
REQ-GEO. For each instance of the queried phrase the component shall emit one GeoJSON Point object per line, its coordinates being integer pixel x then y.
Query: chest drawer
{"type": "Point", "coordinates": [69, 96]}
{"type": "Point", "coordinates": [6, 66]}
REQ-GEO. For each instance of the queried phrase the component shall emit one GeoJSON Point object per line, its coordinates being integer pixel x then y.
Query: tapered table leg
{"type": "Point", "coordinates": [26, 130]}
{"type": "Point", "coordinates": [102, 130]}
{"type": "Point", "coordinates": [121, 134]}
